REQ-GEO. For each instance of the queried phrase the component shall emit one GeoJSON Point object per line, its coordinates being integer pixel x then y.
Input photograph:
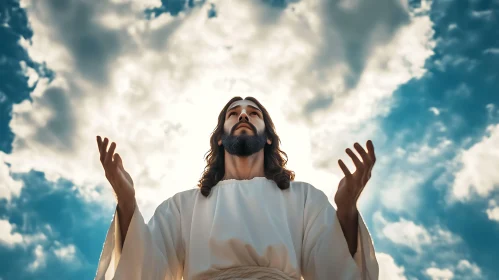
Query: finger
{"type": "Point", "coordinates": [370, 150]}
{"type": "Point", "coordinates": [99, 141]}
{"type": "Point", "coordinates": [356, 160]}
{"type": "Point", "coordinates": [365, 157]}
{"type": "Point", "coordinates": [103, 149]}
{"type": "Point", "coordinates": [110, 154]}
{"type": "Point", "coordinates": [344, 168]}
{"type": "Point", "coordinates": [118, 160]}
{"type": "Point", "coordinates": [366, 162]}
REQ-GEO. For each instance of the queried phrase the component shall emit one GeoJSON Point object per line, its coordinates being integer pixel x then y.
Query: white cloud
{"type": "Point", "coordinates": [417, 237]}
{"type": "Point", "coordinates": [494, 51]}
{"type": "Point", "coordinates": [439, 274]}
{"type": "Point", "coordinates": [434, 110]}
{"type": "Point", "coordinates": [454, 61]}
{"type": "Point", "coordinates": [493, 211]}
{"type": "Point", "coordinates": [65, 253]}
{"type": "Point", "coordinates": [40, 259]}
{"type": "Point", "coordinates": [485, 15]}
{"type": "Point", "coordinates": [466, 268]}
{"type": "Point", "coordinates": [410, 166]}
{"type": "Point", "coordinates": [388, 269]}
{"type": "Point", "coordinates": [156, 87]}
{"type": "Point", "coordinates": [407, 233]}
{"type": "Point", "coordinates": [478, 174]}
{"type": "Point", "coordinates": [7, 237]}
{"type": "Point", "coordinates": [8, 186]}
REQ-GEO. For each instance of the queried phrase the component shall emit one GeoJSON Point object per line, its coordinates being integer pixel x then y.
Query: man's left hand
{"type": "Point", "coordinates": [351, 186]}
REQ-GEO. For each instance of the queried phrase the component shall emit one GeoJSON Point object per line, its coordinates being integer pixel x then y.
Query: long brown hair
{"type": "Point", "coordinates": [274, 159]}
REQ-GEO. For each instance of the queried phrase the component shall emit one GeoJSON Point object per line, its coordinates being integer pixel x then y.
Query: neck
{"type": "Point", "coordinates": [244, 168]}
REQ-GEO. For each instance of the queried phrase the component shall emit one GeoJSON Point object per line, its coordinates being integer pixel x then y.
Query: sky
{"type": "Point", "coordinates": [418, 78]}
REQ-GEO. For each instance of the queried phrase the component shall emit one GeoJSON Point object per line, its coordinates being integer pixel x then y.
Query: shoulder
{"type": "Point", "coordinates": [181, 199]}
{"type": "Point", "coordinates": [310, 193]}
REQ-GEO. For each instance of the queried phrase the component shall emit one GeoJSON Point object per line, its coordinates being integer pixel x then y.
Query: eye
{"type": "Point", "coordinates": [230, 114]}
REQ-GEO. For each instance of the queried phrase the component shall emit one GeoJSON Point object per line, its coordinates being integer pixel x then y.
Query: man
{"type": "Point", "coordinates": [248, 219]}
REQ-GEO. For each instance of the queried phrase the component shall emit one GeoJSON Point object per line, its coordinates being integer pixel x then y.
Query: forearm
{"type": "Point", "coordinates": [125, 210]}
{"type": "Point", "coordinates": [349, 221]}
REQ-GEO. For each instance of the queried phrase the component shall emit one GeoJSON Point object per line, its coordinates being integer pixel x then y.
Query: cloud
{"type": "Point", "coordinates": [462, 270]}
{"type": "Point", "coordinates": [461, 91]}
{"type": "Point", "coordinates": [477, 174]}
{"type": "Point", "coordinates": [492, 51]}
{"type": "Point", "coordinates": [48, 236]}
{"type": "Point", "coordinates": [482, 15]}
{"type": "Point", "coordinates": [388, 269]}
{"type": "Point", "coordinates": [8, 186]}
{"type": "Point", "coordinates": [417, 237]}
{"type": "Point", "coordinates": [143, 77]}
{"type": "Point", "coordinates": [465, 268]}
{"type": "Point", "coordinates": [7, 237]}
{"type": "Point", "coordinates": [66, 253]}
{"type": "Point", "coordinates": [434, 110]}
{"type": "Point", "coordinates": [39, 259]}
{"type": "Point", "coordinates": [439, 274]}
{"type": "Point", "coordinates": [493, 211]}
{"type": "Point", "coordinates": [454, 61]}
{"type": "Point", "coordinates": [406, 233]}
{"type": "Point", "coordinates": [411, 165]}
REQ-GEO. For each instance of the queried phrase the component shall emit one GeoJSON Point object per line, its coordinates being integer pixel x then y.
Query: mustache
{"type": "Point", "coordinates": [253, 128]}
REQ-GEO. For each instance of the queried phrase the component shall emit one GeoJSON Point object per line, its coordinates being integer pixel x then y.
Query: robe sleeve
{"type": "Point", "coordinates": [150, 251]}
{"type": "Point", "coordinates": [325, 253]}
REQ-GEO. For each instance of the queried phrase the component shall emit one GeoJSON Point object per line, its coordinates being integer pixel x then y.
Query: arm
{"type": "Point", "coordinates": [125, 212]}
{"type": "Point", "coordinates": [349, 225]}
{"type": "Point", "coordinates": [325, 250]}
{"type": "Point", "coordinates": [151, 250]}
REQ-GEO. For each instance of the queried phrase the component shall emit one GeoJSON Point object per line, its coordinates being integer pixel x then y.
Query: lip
{"type": "Point", "coordinates": [244, 125]}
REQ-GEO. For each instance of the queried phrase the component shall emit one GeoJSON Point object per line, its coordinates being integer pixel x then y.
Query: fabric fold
{"type": "Point", "coordinates": [150, 251]}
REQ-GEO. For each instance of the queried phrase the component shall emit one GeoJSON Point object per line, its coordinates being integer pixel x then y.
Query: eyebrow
{"type": "Point", "coordinates": [237, 106]}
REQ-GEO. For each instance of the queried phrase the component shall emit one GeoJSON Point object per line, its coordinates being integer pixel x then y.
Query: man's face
{"type": "Point", "coordinates": [244, 129]}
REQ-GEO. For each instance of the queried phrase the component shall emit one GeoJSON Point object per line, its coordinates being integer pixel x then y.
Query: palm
{"type": "Point", "coordinates": [346, 190]}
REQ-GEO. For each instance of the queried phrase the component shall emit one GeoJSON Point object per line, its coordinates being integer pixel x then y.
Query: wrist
{"type": "Point", "coordinates": [127, 205]}
{"type": "Point", "coordinates": [347, 213]}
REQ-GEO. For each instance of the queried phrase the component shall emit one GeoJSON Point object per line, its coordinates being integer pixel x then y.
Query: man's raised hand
{"type": "Point", "coordinates": [352, 185]}
{"type": "Point", "coordinates": [120, 180]}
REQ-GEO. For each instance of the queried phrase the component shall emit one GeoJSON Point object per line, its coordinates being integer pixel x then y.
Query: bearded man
{"type": "Point", "coordinates": [247, 219]}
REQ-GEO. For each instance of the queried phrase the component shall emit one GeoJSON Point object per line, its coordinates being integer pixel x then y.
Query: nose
{"type": "Point", "coordinates": [243, 116]}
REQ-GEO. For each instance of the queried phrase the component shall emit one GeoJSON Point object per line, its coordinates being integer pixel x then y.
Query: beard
{"type": "Point", "coordinates": [243, 145]}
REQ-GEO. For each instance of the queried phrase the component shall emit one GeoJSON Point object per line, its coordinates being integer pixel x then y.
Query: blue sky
{"type": "Point", "coordinates": [421, 79]}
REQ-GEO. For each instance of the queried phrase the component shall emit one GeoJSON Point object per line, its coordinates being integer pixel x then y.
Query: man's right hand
{"type": "Point", "coordinates": [116, 174]}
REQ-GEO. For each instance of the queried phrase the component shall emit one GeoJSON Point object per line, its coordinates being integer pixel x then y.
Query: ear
{"type": "Point", "coordinates": [269, 141]}
{"type": "Point", "coordinates": [219, 142]}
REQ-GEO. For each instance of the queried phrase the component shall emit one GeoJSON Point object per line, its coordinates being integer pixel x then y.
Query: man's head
{"type": "Point", "coordinates": [258, 134]}
{"type": "Point", "coordinates": [244, 129]}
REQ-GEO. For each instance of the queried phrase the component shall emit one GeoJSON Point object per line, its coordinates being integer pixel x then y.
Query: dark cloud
{"type": "Point", "coordinates": [58, 134]}
{"type": "Point", "coordinates": [75, 24]}
{"type": "Point", "coordinates": [357, 31]}
{"type": "Point", "coordinates": [318, 102]}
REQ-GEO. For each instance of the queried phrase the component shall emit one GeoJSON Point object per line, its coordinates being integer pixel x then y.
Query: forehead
{"type": "Point", "coordinates": [243, 104]}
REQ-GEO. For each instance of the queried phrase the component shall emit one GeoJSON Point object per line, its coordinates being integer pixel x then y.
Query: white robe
{"type": "Point", "coordinates": [242, 223]}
